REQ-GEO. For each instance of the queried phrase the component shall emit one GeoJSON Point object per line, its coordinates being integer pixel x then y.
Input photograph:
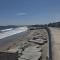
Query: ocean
{"type": "Point", "coordinates": [6, 40]}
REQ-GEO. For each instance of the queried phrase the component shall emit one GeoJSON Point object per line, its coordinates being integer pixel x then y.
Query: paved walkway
{"type": "Point", "coordinates": [55, 33]}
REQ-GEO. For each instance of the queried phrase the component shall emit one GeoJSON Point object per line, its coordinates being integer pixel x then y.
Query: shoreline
{"type": "Point", "coordinates": [32, 43]}
{"type": "Point", "coordinates": [13, 43]}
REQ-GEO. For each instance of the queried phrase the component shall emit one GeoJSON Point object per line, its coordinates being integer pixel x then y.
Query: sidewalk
{"type": "Point", "coordinates": [55, 33]}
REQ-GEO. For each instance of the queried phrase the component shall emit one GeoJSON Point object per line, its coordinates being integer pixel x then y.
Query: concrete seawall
{"type": "Point", "coordinates": [49, 41]}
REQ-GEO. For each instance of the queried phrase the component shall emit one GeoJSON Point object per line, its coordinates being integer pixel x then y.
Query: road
{"type": "Point", "coordinates": [55, 41]}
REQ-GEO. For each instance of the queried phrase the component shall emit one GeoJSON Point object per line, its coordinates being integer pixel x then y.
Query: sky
{"type": "Point", "coordinates": [24, 12]}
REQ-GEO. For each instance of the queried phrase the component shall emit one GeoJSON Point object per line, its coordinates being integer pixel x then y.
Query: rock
{"type": "Point", "coordinates": [38, 41]}
{"type": "Point", "coordinates": [31, 53]}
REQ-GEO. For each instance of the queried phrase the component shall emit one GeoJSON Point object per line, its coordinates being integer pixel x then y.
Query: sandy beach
{"type": "Point", "coordinates": [31, 43]}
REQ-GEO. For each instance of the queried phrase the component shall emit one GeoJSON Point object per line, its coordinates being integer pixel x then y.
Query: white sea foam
{"type": "Point", "coordinates": [12, 32]}
{"type": "Point", "coordinates": [6, 29]}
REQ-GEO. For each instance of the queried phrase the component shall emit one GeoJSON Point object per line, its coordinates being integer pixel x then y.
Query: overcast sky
{"type": "Point", "coordinates": [21, 12]}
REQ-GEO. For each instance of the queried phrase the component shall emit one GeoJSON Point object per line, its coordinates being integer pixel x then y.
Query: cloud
{"type": "Point", "coordinates": [21, 14]}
